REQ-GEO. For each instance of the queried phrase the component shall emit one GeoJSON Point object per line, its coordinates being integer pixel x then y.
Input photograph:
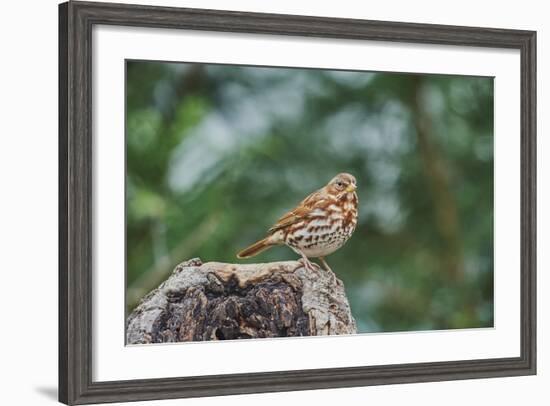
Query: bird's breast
{"type": "Point", "coordinates": [322, 234]}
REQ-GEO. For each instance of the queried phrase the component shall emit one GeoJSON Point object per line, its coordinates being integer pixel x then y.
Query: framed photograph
{"type": "Point", "coordinates": [258, 202]}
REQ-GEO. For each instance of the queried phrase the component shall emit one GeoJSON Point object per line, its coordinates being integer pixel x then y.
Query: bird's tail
{"type": "Point", "coordinates": [256, 248]}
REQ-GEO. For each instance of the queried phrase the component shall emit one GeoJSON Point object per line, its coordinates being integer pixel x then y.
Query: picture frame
{"type": "Point", "coordinates": [76, 255]}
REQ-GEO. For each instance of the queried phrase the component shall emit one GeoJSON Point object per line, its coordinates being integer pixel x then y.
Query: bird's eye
{"type": "Point", "coordinates": [340, 184]}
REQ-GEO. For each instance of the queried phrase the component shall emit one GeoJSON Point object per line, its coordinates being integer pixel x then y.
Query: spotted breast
{"type": "Point", "coordinates": [326, 229]}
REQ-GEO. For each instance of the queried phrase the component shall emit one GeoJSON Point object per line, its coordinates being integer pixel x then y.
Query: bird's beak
{"type": "Point", "coordinates": [351, 188]}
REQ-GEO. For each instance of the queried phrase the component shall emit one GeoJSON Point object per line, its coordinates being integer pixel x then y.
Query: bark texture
{"type": "Point", "coordinates": [217, 301]}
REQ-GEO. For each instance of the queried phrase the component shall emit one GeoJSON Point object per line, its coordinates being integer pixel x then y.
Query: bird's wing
{"type": "Point", "coordinates": [302, 211]}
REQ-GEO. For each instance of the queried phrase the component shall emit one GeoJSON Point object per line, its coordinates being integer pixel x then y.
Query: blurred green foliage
{"type": "Point", "coordinates": [216, 153]}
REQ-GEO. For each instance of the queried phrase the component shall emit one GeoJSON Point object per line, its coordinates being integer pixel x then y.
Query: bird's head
{"type": "Point", "coordinates": [341, 185]}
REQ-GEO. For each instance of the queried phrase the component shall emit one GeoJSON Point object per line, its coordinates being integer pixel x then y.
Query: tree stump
{"type": "Point", "coordinates": [217, 301]}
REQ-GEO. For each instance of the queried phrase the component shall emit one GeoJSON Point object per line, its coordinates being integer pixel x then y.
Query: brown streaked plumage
{"type": "Point", "coordinates": [318, 226]}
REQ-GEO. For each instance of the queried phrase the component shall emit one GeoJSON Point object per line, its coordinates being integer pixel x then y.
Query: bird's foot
{"type": "Point", "coordinates": [304, 262]}
{"type": "Point", "coordinates": [332, 275]}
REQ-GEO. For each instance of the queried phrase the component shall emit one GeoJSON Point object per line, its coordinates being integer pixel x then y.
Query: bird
{"type": "Point", "coordinates": [321, 223]}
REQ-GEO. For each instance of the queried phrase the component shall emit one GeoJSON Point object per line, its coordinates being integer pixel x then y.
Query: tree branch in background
{"type": "Point", "coordinates": [437, 176]}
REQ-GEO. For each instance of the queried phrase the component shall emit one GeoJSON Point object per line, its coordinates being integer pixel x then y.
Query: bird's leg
{"type": "Point", "coordinates": [333, 278]}
{"type": "Point", "coordinates": [306, 262]}
{"type": "Point", "coordinates": [325, 265]}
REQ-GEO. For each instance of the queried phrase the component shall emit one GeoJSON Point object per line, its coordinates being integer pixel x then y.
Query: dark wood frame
{"type": "Point", "coordinates": [76, 20]}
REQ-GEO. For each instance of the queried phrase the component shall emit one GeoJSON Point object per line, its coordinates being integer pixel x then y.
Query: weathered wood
{"type": "Point", "coordinates": [217, 301]}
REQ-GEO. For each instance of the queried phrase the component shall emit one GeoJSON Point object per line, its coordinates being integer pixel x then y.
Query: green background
{"type": "Point", "coordinates": [216, 153]}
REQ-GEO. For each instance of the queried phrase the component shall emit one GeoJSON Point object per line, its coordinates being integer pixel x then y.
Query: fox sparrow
{"type": "Point", "coordinates": [320, 225]}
